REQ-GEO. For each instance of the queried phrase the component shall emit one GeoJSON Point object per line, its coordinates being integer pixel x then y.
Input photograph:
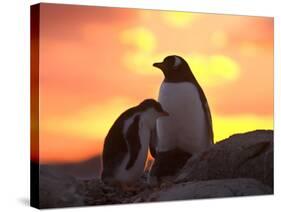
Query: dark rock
{"type": "Point", "coordinates": [209, 189]}
{"type": "Point", "coordinates": [248, 155]}
{"type": "Point", "coordinates": [238, 166]}
{"type": "Point", "coordinates": [97, 193]}
{"type": "Point", "coordinates": [58, 191]}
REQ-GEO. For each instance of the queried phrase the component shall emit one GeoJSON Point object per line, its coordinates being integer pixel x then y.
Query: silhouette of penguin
{"type": "Point", "coordinates": [188, 128]}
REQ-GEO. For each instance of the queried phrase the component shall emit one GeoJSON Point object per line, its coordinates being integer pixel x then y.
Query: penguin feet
{"type": "Point", "coordinates": [166, 182]}
{"type": "Point", "coordinates": [128, 188]}
{"type": "Point", "coordinates": [134, 187]}
{"type": "Point", "coordinates": [152, 181]}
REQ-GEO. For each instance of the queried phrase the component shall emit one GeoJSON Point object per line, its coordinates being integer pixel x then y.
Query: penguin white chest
{"type": "Point", "coordinates": [186, 126]}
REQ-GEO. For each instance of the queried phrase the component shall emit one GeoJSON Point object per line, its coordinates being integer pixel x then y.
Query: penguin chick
{"type": "Point", "coordinates": [126, 144]}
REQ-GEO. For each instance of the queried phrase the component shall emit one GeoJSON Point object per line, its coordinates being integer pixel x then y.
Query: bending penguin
{"type": "Point", "coordinates": [188, 128]}
{"type": "Point", "coordinates": [126, 144]}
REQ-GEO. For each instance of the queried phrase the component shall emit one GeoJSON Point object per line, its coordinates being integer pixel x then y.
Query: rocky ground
{"type": "Point", "coordinates": [241, 165]}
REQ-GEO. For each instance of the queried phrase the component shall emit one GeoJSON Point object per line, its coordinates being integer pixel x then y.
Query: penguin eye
{"type": "Point", "coordinates": [169, 61]}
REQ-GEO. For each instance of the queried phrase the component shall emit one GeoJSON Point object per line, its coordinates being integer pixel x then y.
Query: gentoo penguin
{"type": "Point", "coordinates": [188, 128]}
{"type": "Point", "coordinates": [127, 142]}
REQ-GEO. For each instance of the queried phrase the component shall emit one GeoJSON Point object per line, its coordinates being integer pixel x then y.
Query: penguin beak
{"type": "Point", "coordinates": [158, 65]}
{"type": "Point", "coordinates": [165, 113]}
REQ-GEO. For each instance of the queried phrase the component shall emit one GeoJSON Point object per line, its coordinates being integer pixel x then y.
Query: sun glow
{"type": "Point", "coordinates": [91, 123]}
{"type": "Point", "coordinates": [224, 126]}
{"type": "Point", "coordinates": [95, 63]}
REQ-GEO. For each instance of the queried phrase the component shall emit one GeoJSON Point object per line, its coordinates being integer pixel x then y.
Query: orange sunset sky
{"type": "Point", "coordinates": [96, 62]}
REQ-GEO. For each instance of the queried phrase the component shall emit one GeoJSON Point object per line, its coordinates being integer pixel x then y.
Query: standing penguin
{"type": "Point", "coordinates": [188, 129]}
{"type": "Point", "coordinates": [126, 144]}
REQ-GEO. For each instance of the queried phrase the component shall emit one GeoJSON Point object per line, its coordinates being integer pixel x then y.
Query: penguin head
{"type": "Point", "coordinates": [174, 68]}
{"type": "Point", "coordinates": [153, 105]}
{"type": "Point", "coordinates": [152, 109]}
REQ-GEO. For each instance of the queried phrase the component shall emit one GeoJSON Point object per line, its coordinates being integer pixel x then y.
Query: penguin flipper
{"type": "Point", "coordinates": [114, 151]}
{"type": "Point", "coordinates": [133, 142]}
{"type": "Point", "coordinates": [209, 121]}
{"type": "Point", "coordinates": [153, 143]}
{"type": "Point", "coordinates": [207, 112]}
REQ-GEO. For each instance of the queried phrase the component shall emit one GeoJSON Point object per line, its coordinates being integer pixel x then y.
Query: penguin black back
{"type": "Point", "coordinates": [115, 144]}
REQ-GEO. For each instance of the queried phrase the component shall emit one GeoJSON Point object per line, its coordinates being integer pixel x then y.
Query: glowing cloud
{"type": "Point", "coordinates": [209, 69]}
{"type": "Point", "coordinates": [140, 37]}
{"type": "Point", "coordinates": [143, 40]}
{"type": "Point", "coordinates": [178, 19]}
{"type": "Point", "coordinates": [213, 70]}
